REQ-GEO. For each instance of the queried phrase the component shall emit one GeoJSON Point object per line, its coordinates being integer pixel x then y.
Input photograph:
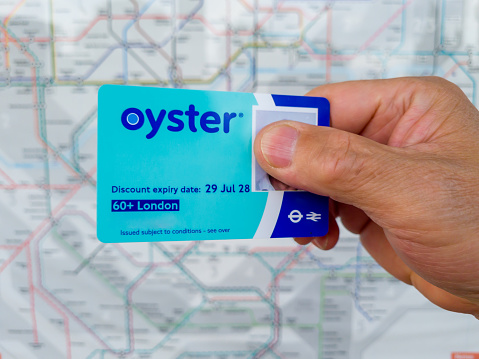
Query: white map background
{"type": "Point", "coordinates": [63, 294]}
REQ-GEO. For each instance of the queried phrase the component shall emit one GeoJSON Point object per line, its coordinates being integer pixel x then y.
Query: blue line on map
{"type": "Point", "coordinates": [125, 38]}
{"type": "Point", "coordinates": [21, 164]}
{"type": "Point", "coordinates": [443, 18]}
{"type": "Point", "coordinates": [63, 305]}
{"type": "Point", "coordinates": [474, 84]}
{"type": "Point", "coordinates": [93, 354]}
{"type": "Point", "coordinates": [244, 86]}
{"type": "Point", "coordinates": [182, 23]}
{"type": "Point", "coordinates": [358, 287]}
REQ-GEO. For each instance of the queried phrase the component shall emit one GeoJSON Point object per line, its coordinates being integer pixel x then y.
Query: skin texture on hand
{"type": "Point", "coordinates": [401, 166]}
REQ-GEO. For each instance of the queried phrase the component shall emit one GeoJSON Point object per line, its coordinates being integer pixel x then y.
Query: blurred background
{"type": "Point", "coordinates": [64, 294]}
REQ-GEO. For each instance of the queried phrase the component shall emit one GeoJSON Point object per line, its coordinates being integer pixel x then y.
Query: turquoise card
{"type": "Point", "coordinates": [178, 165]}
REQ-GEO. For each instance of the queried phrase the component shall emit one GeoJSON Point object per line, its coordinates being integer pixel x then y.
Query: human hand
{"type": "Point", "coordinates": [401, 166]}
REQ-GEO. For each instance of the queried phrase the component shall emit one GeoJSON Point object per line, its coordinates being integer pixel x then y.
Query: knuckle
{"type": "Point", "coordinates": [440, 86]}
{"type": "Point", "coordinates": [339, 159]}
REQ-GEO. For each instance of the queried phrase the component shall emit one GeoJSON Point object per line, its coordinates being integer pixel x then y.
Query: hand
{"type": "Point", "coordinates": [401, 166]}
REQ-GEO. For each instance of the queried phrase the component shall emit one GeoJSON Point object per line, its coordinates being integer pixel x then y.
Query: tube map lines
{"type": "Point", "coordinates": [63, 294]}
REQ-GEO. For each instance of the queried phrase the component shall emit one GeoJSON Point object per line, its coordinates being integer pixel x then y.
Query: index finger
{"type": "Point", "coordinates": [371, 108]}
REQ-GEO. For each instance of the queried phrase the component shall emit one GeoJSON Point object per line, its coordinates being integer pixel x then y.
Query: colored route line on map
{"type": "Point", "coordinates": [302, 42]}
{"type": "Point", "coordinates": [39, 228]}
{"type": "Point", "coordinates": [66, 320]}
{"type": "Point", "coordinates": [5, 24]}
{"type": "Point", "coordinates": [53, 299]}
{"type": "Point", "coordinates": [45, 224]}
{"type": "Point", "coordinates": [7, 177]}
{"type": "Point", "coordinates": [291, 256]}
{"type": "Point", "coordinates": [39, 110]}
{"type": "Point", "coordinates": [286, 263]}
{"type": "Point", "coordinates": [26, 246]}
{"type": "Point", "coordinates": [135, 19]}
{"type": "Point", "coordinates": [329, 57]}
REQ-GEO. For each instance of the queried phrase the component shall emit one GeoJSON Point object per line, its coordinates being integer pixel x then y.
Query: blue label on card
{"type": "Point", "coordinates": [179, 165]}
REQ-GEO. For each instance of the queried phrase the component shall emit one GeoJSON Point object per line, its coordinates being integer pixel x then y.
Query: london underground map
{"type": "Point", "coordinates": [64, 294]}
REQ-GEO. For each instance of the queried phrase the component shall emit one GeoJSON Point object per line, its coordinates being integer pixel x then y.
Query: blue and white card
{"type": "Point", "coordinates": [176, 165]}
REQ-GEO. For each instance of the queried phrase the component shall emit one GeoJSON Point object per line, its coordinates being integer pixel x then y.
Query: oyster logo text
{"type": "Point", "coordinates": [210, 121]}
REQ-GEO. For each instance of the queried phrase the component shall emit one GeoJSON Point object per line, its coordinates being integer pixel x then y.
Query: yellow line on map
{"type": "Point", "coordinates": [52, 47]}
{"type": "Point", "coordinates": [5, 23]}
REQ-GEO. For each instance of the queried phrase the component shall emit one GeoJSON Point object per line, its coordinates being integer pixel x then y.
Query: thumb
{"type": "Point", "coordinates": [346, 167]}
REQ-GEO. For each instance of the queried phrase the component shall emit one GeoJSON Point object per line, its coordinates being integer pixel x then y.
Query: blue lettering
{"type": "Point", "coordinates": [179, 123]}
{"type": "Point", "coordinates": [155, 124]}
{"type": "Point", "coordinates": [210, 121]}
{"type": "Point", "coordinates": [204, 122]}
{"type": "Point", "coordinates": [227, 118]}
{"type": "Point", "coordinates": [192, 113]}
{"type": "Point", "coordinates": [132, 118]}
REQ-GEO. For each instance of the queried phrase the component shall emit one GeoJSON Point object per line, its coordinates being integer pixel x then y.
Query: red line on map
{"type": "Point", "coordinates": [385, 26]}
{"type": "Point", "coordinates": [275, 281]}
{"type": "Point", "coordinates": [70, 187]}
{"type": "Point", "coordinates": [205, 22]}
{"type": "Point", "coordinates": [291, 254]}
{"type": "Point", "coordinates": [454, 69]}
{"type": "Point", "coordinates": [277, 353]}
{"type": "Point", "coordinates": [40, 186]}
{"type": "Point", "coordinates": [277, 278]}
{"type": "Point", "coordinates": [329, 42]}
{"type": "Point", "coordinates": [130, 310]}
{"type": "Point", "coordinates": [5, 24]}
{"type": "Point", "coordinates": [83, 33]}
{"type": "Point", "coordinates": [89, 330]}
{"type": "Point", "coordinates": [364, 46]}
{"type": "Point", "coordinates": [66, 321]}
{"type": "Point", "coordinates": [15, 9]}
{"type": "Point", "coordinates": [32, 295]}
{"type": "Point", "coordinates": [7, 177]}
{"type": "Point", "coordinates": [45, 294]}
{"type": "Point", "coordinates": [45, 222]}
{"type": "Point", "coordinates": [276, 320]}
{"type": "Point", "coordinates": [465, 356]}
